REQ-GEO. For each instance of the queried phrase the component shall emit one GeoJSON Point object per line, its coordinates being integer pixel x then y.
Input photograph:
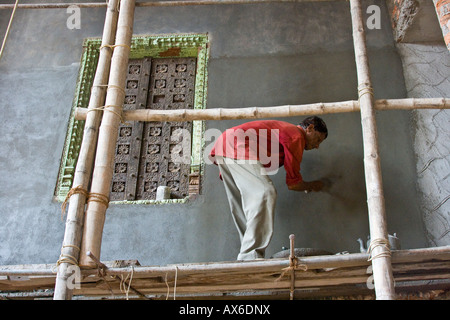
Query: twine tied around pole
{"type": "Point", "coordinates": [113, 86]}
{"type": "Point", "coordinates": [115, 46]}
{"type": "Point", "coordinates": [293, 265]}
{"type": "Point", "coordinates": [293, 261]}
{"type": "Point", "coordinates": [110, 86]}
{"type": "Point", "coordinates": [91, 196]}
{"type": "Point", "coordinates": [379, 242]}
{"type": "Point", "coordinates": [122, 285]}
{"type": "Point", "coordinates": [66, 258]}
{"type": "Point", "coordinates": [174, 285]}
{"type": "Point", "coordinates": [98, 197]}
{"type": "Point", "coordinates": [364, 89]}
{"type": "Point", "coordinates": [108, 108]}
{"type": "Point", "coordinates": [75, 190]}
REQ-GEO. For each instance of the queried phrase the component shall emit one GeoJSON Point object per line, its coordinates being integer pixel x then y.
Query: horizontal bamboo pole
{"type": "Point", "coordinates": [153, 4]}
{"type": "Point", "coordinates": [314, 262]}
{"type": "Point", "coordinates": [278, 111]}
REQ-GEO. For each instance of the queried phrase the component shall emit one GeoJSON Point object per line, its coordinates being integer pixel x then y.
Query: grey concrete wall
{"type": "Point", "coordinates": [261, 55]}
{"type": "Point", "coordinates": [427, 69]}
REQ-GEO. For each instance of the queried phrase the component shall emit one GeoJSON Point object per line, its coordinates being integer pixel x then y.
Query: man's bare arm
{"type": "Point", "coordinates": [308, 186]}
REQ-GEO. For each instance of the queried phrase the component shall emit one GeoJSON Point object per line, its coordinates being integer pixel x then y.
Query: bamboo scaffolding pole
{"type": "Point", "coordinates": [104, 160]}
{"type": "Point", "coordinates": [277, 111]}
{"type": "Point", "coordinates": [380, 252]}
{"type": "Point", "coordinates": [313, 262]}
{"type": "Point", "coordinates": [82, 175]}
{"type": "Point", "coordinates": [341, 272]}
{"type": "Point", "coordinates": [292, 260]}
{"type": "Point", "coordinates": [8, 27]}
{"type": "Point", "coordinates": [155, 3]}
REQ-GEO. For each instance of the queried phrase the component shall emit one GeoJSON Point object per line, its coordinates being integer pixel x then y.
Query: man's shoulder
{"type": "Point", "coordinates": [267, 124]}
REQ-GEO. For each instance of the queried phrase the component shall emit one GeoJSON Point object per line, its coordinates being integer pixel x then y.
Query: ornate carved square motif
{"type": "Point", "coordinates": [123, 149]}
{"type": "Point", "coordinates": [118, 186]}
{"type": "Point", "coordinates": [134, 69]}
{"type": "Point", "coordinates": [179, 98]}
{"type": "Point", "coordinates": [153, 148]}
{"type": "Point", "coordinates": [130, 99]}
{"type": "Point", "coordinates": [155, 131]}
{"type": "Point", "coordinates": [121, 168]}
{"type": "Point", "coordinates": [181, 68]}
{"type": "Point", "coordinates": [150, 186]}
{"type": "Point", "coordinates": [160, 83]}
{"type": "Point", "coordinates": [162, 68]}
{"type": "Point", "coordinates": [132, 84]}
{"type": "Point", "coordinates": [180, 83]}
{"type": "Point", "coordinates": [151, 167]}
{"type": "Point", "coordinates": [125, 132]}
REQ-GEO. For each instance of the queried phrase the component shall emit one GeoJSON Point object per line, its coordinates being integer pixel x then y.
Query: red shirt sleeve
{"type": "Point", "coordinates": [293, 154]}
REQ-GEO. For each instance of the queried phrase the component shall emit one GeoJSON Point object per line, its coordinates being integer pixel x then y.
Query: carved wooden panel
{"type": "Point", "coordinates": [129, 142]}
{"type": "Point", "coordinates": [165, 158]}
{"type": "Point", "coordinates": [153, 154]}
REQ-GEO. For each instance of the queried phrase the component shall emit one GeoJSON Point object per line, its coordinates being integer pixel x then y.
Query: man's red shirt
{"type": "Point", "coordinates": [273, 143]}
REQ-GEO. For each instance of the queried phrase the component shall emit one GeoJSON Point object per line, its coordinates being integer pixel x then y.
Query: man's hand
{"type": "Point", "coordinates": [316, 186]}
{"type": "Point", "coordinates": [306, 186]}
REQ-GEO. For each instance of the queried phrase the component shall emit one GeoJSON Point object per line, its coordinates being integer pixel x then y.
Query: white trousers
{"type": "Point", "coordinates": [252, 198]}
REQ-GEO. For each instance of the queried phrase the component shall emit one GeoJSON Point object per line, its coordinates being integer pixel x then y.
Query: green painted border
{"type": "Point", "coordinates": [155, 46]}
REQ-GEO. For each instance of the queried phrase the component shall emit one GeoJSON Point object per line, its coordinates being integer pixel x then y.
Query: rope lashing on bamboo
{"type": "Point", "coordinates": [120, 115]}
{"type": "Point", "coordinates": [123, 283]}
{"type": "Point", "coordinates": [379, 242]}
{"type": "Point", "coordinates": [110, 86]}
{"type": "Point", "coordinates": [174, 285]}
{"type": "Point", "coordinates": [98, 197]}
{"type": "Point", "coordinates": [115, 46]}
{"type": "Point", "coordinates": [167, 285]}
{"type": "Point", "coordinates": [72, 191]}
{"type": "Point", "coordinates": [108, 108]}
{"type": "Point", "coordinates": [96, 109]}
{"type": "Point", "coordinates": [364, 89]}
{"type": "Point", "coordinates": [67, 258]}
{"type": "Point", "coordinates": [90, 196]}
{"type": "Point", "coordinates": [293, 265]}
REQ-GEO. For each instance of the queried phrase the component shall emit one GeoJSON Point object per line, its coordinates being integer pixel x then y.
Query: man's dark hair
{"type": "Point", "coordinates": [318, 123]}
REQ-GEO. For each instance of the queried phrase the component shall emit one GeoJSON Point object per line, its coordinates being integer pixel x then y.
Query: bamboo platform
{"type": "Point", "coordinates": [421, 273]}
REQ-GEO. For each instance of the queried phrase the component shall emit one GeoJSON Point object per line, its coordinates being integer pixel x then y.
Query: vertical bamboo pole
{"type": "Point", "coordinates": [104, 160]}
{"type": "Point", "coordinates": [8, 28]}
{"type": "Point", "coordinates": [291, 262]}
{"type": "Point", "coordinates": [380, 252]}
{"type": "Point", "coordinates": [75, 214]}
